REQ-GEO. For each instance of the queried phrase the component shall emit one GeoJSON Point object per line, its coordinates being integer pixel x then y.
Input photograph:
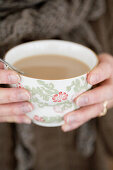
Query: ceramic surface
{"type": "Point", "coordinates": [52, 99]}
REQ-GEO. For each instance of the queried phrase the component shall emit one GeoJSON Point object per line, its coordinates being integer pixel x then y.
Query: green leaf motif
{"type": "Point", "coordinates": [28, 88]}
{"type": "Point", "coordinates": [41, 104]}
{"type": "Point", "coordinates": [68, 88]}
{"type": "Point", "coordinates": [34, 100]}
{"type": "Point", "coordinates": [56, 119]}
{"type": "Point", "coordinates": [45, 91]}
{"type": "Point", "coordinates": [48, 88]}
{"type": "Point", "coordinates": [46, 98]}
{"type": "Point", "coordinates": [63, 106]}
{"type": "Point", "coordinates": [82, 78]}
{"type": "Point", "coordinates": [51, 85]}
{"type": "Point", "coordinates": [41, 82]}
{"type": "Point", "coordinates": [76, 85]}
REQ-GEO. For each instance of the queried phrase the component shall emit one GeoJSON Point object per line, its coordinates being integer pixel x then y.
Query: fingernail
{"type": "Point", "coordinates": [27, 121]}
{"type": "Point", "coordinates": [66, 128]}
{"type": "Point", "coordinates": [70, 119]}
{"type": "Point", "coordinates": [23, 96]}
{"type": "Point", "coordinates": [13, 78]}
{"type": "Point", "coordinates": [94, 79]}
{"type": "Point", "coordinates": [82, 101]}
{"type": "Point", "coordinates": [26, 108]}
{"type": "Point", "coordinates": [74, 118]}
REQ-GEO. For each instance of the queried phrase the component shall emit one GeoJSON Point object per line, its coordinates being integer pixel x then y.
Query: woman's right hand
{"type": "Point", "coordinates": [13, 101]}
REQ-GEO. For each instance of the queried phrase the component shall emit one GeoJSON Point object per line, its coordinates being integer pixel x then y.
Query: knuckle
{"type": "Point", "coordinates": [17, 94]}
{"type": "Point", "coordinates": [17, 91]}
{"type": "Point", "coordinates": [91, 98]}
{"type": "Point", "coordinates": [11, 95]}
{"type": "Point", "coordinates": [79, 117]}
{"type": "Point", "coordinates": [110, 91]}
{"type": "Point", "coordinates": [103, 73]}
{"type": "Point", "coordinates": [23, 107]}
{"type": "Point", "coordinates": [105, 56]}
{"type": "Point", "coordinates": [83, 117]}
{"type": "Point", "coordinates": [22, 95]}
{"type": "Point", "coordinates": [109, 69]}
{"type": "Point", "coordinates": [14, 110]}
{"type": "Point", "coordinates": [99, 72]}
{"type": "Point", "coordinates": [22, 90]}
{"type": "Point", "coordinates": [8, 76]}
{"type": "Point", "coordinates": [25, 90]}
{"type": "Point", "coordinates": [107, 63]}
{"type": "Point", "coordinates": [3, 76]}
{"type": "Point", "coordinates": [99, 109]}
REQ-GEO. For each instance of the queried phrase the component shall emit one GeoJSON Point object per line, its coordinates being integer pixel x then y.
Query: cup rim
{"type": "Point", "coordinates": [57, 41]}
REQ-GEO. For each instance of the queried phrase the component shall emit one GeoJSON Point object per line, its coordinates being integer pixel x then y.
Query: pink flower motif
{"type": "Point", "coordinates": [38, 118]}
{"type": "Point", "coordinates": [19, 85]}
{"type": "Point", "coordinates": [59, 97]}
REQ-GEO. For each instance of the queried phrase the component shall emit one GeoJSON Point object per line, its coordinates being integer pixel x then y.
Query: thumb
{"type": "Point", "coordinates": [102, 71]}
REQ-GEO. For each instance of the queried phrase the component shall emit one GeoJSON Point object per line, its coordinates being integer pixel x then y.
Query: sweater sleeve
{"type": "Point", "coordinates": [48, 21]}
{"type": "Point", "coordinates": [51, 19]}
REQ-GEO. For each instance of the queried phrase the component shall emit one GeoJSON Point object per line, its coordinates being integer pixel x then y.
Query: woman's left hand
{"type": "Point", "coordinates": [91, 102]}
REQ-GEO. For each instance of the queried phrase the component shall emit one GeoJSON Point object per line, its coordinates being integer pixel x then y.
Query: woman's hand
{"type": "Point", "coordinates": [13, 101]}
{"type": "Point", "coordinates": [91, 102]}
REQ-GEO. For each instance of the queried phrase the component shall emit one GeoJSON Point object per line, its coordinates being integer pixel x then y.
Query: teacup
{"type": "Point", "coordinates": [52, 99]}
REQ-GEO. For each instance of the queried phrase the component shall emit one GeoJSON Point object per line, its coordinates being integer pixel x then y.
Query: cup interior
{"type": "Point", "coordinates": [57, 47]}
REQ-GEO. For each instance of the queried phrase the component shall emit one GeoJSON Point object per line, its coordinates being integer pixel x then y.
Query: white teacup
{"type": "Point", "coordinates": [52, 99]}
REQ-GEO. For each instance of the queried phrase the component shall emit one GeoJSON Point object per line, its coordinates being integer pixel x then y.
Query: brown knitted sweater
{"type": "Point", "coordinates": [30, 147]}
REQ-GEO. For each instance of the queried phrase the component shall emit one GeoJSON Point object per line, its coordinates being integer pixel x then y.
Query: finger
{"type": "Point", "coordinates": [1, 65]}
{"type": "Point", "coordinates": [10, 95]}
{"type": "Point", "coordinates": [15, 108]}
{"type": "Point", "coordinates": [96, 95]}
{"type": "Point", "coordinates": [70, 127]}
{"type": "Point", "coordinates": [76, 118]}
{"type": "Point", "coordinates": [102, 71]}
{"type": "Point", "coordinates": [110, 104]}
{"type": "Point", "coordinates": [8, 77]}
{"type": "Point", "coordinates": [15, 119]}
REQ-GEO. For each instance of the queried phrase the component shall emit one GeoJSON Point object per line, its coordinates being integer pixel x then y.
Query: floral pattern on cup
{"type": "Point", "coordinates": [59, 97]}
{"type": "Point", "coordinates": [52, 99]}
{"type": "Point", "coordinates": [47, 119]}
{"type": "Point", "coordinates": [19, 85]}
{"type": "Point", "coordinates": [46, 94]}
{"type": "Point", "coordinates": [40, 119]}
